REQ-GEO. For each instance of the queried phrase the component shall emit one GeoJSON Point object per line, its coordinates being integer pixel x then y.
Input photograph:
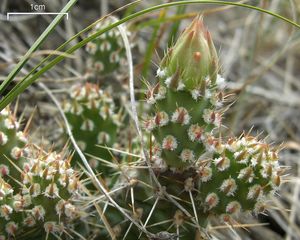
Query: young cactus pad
{"type": "Point", "coordinates": [12, 147]}
{"type": "Point", "coordinates": [106, 52]}
{"type": "Point", "coordinates": [91, 115]}
{"type": "Point", "coordinates": [239, 177]}
{"type": "Point", "coordinates": [187, 100]}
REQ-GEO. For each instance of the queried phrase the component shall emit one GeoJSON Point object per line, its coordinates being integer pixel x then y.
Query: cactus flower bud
{"type": "Point", "coordinates": [193, 56]}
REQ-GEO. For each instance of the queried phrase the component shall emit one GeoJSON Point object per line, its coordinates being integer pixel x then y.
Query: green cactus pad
{"type": "Point", "coordinates": [182, 125]}
{"type": "Point", "coordinates": [91, 115]}
{"type": "Point", "coordinates": [12, 147]}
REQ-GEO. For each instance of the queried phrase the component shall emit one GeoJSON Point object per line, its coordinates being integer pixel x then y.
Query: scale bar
{"type": "Point", "coordinates": [36, 13]}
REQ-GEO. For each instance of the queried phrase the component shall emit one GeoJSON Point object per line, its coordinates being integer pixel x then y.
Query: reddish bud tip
{"type": "Point", "coordinates": [197, 56]}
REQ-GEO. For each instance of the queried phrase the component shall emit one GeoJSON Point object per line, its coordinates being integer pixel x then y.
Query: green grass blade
{"type": "Point", "coordinates": [19, 88]}
{"type": "Point", "coordinates": [175, 26]}
{"type": "Point", "coordinates": [36, 45]}
{"type": "Point", "coordinates": [152, 43]}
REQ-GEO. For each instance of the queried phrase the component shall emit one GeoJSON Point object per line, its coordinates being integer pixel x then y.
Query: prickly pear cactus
{"type": "Point", "coordinates": [12, 147]}
{"type": "Point", "coordinates": [207, 175]}
{"type": "Point", "coordinates": [187, 100]}
{"type": "Point", "coordinates": [107, 52]}
{"type": "Point", "coordinates": [91, 115]}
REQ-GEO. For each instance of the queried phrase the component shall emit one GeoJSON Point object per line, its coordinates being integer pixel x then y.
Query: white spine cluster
{"type": "Point", "coordinates": [181, 116]}
{"type": "Point", "coordinates": [169, 143]}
